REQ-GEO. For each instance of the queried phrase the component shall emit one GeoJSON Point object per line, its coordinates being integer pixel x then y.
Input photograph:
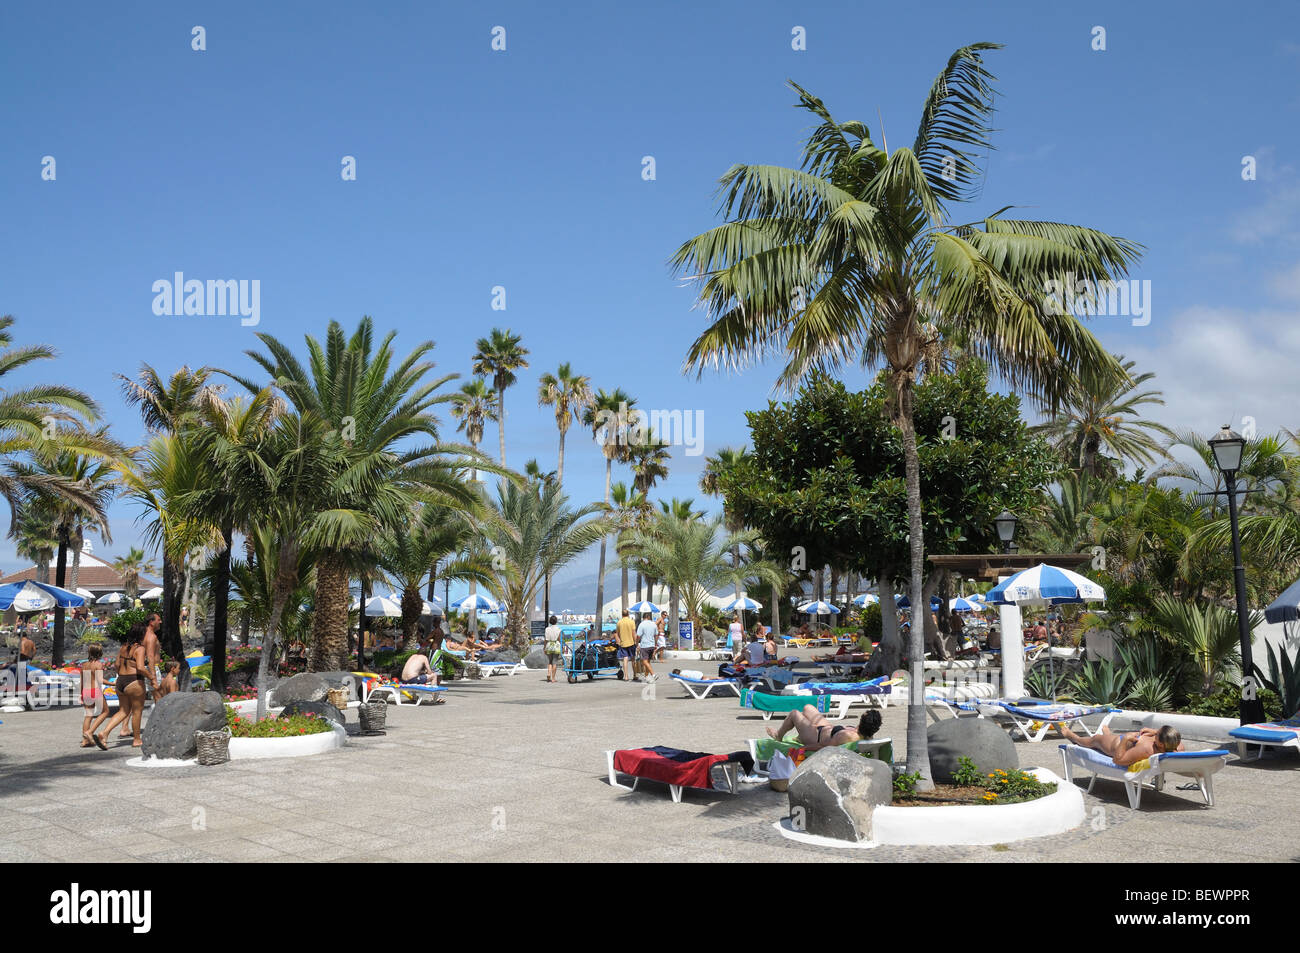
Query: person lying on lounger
{"type": "Point", "coordinates": [816, 731]}
{"type": "Point", "coordinates": [1131, 747]}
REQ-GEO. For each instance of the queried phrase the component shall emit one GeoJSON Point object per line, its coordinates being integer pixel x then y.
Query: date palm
{"type": "Point", "coordinates": [498, 356]}
{"type": "Point", "coordinates": [372, 401]}
{"type": "Point", "coordinates": [649, 465]}
{"type": "Point", "coordinates": [474, 405]}
{"type": "Point", "coordinates": [1101, 414]}
{"type": "Point", "coordinates": [570, 394]}
{"type": "Point", "coordinates": [714, 467]}
{"type": "Point", "coordinates": [625, 510]}
{"type": "Point", "coordinates": [857, 257]}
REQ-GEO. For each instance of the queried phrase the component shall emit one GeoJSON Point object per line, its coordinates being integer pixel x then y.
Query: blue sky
{"type": "Point", "coordinates": [523, 169]}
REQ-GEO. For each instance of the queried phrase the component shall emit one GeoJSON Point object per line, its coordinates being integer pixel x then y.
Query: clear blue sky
{"type": "Point", "coordinates": [523, 169]}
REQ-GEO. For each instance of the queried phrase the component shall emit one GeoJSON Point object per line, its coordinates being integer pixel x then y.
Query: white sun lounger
{"type": "Point", "coordinates": [700, 688]}
{"type": "Point", "coordinates": [1200, 765]}
{"type": "Point", "coordinates": [1035, 721]}
{"type": "Point", "coordinates": [1278, 734]}
{"type": "Point", "coordinates": [415, 694]}
{"type": "Point", "coordinates": [501, 668]}
{"type": "Point", "coordinates": [724, 776]}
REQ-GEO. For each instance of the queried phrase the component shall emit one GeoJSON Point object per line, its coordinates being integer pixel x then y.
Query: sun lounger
{"type": "Point", "coordinates": [834, 707]}
{"type": "Point", "coordinates": [1278, 734]}
{"type": "Point", "coordinates": [414, 694]}
{"type": "Point", "coordinates": [678, 769]}
{"type": "Point", "coordinates": [1199, 765]}
{"type": "Point", "coordinates": [876, 692]}
{"type": "Point", "coordinates": [501, 668]}
{"type": "Point", "coordinates": [700, 688]}
{"type": "Point", "coordinates": [762, 749]}
{"type": "Point", "coordinates": [1034, 721]}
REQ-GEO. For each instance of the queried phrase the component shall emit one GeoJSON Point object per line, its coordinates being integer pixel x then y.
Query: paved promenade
{"type": "Point", "coordinates": [514, 769]}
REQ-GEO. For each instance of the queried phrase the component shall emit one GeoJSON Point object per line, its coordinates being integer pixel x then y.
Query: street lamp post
{"type": "Point", "coordinates": [1006, 523]}
{"type": "Point", "coordinates": [1228, 447]}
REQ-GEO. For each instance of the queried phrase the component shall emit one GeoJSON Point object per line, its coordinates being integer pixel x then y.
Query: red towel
{"type": "Point", "coordinates": [650, 764]}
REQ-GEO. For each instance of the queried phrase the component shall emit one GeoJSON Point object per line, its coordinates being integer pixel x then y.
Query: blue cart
{"type": "Point", "coordinates": [583, 658]}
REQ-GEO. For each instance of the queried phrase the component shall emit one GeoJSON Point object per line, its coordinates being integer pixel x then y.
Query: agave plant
{"type": "Point", "coordinates": [1151, 693]}
{"type": "Point", "coordinates": [1283, 678]}
{"type": "Point", "coordinates": [1101, 683]}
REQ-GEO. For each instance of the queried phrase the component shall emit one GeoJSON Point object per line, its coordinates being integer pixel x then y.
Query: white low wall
{"type": "Point", "coordinates": [1194, 727]}
{"type": "Point", "coordinates": [244, 748]}
{"type": "Point", "coordinates": [1058, 812]}
{"type": "Point", "coordinates": [706, 655]}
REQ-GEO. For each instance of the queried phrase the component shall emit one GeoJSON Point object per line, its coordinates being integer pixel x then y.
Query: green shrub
{"type": "Point", "coordinates": [1101, 683]}
{"type": "Point", "coordinates": [871, 622]}
{"type": "Point", "coordinates": [1012, 787]}
{"type": "Point", "coordinates": [967, 774]}
{"type": "Point", "coordinates": [1226, 703]}
{"type": "Point", "coordinates": [1283, 679]}
{"type": "Point", "coordinates": [120, 624]}
{"type": "Point", "coordinates": [1151, 693]}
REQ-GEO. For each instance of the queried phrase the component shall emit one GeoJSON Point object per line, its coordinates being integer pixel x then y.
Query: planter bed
{"type": "Point", "coordinates": [300, 746]}
{"type": "Point", "coordinates": [1056, 813]}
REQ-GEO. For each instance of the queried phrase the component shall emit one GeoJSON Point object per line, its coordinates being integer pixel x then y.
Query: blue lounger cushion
{"type": "Point", "coordinates": [1269, 732]}
{"type": "Point", "coordinates": [1174, 760]}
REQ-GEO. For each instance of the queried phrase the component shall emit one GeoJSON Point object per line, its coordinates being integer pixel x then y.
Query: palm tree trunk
{"type": "Point", "coordinates": [412, 609]}
{"type": "Point", "coordinates": [623, 566]}
{"type": "Point", "coordinates": [286, 581]}
{"type": "Point", "coordinates": [501, 422]}
{"type": "Point", "coordinates": [170, 637]}
{"type": "Point", "coordinates": [78, 540]}
{"type": "Point", "coordinates": [559, 473]}
{"type": "Point", "coordinates": [60, 573]}
{"type": "Point", "coordinates": [674, 623]}
{"type": "Point", "coordinates": [329, 634]}
{"type": "Point", "coordinates": [221, 611]}
{"type": "Point", "coordinates": [600, 576]}
{"type": "Point", "coordinates": [918, 756]}
{"type": "Point", "coordinates": [776, 612]}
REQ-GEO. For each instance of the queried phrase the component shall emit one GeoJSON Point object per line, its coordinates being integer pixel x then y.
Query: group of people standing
{"type": "Point", "coordinates": [136, 664]}
{"type": "Point", "coordinates": [638, 644]}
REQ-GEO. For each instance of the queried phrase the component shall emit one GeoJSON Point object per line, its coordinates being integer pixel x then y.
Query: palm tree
{"type": "Point", "coordinates": [626, 506]}
{"type": "Point", "coordinates": [499, 356]}
{"type": "Point", "coordinates": [606, 415]}
{"type": "Point", "coordinates": [714, 467]}
{"type": "Point", "coordinates": [1104, 413]}
{"type": "Point", "coordinates": [534, 533]}
{"type": "Point", "coordinates": [649, 466]}
{"type": "Point", "coordinates": [370, 406]}
{"type": "Point", "coordinates": [1208, 632]}
{"type": "Point", "coordinates": [130, 568]}
{"type": "Point", "coordinates": [37, 539]}
{"type": "Point", "coordinates": [570, 395]}
{"type": "Point", "coordinates": [96, 482]}
{"type": "Point", "coordinates": [229, 434]}
{"type": "Point", "coordinates": [854, 257]}
{"type": "Point", "coordinates": [474, 406]}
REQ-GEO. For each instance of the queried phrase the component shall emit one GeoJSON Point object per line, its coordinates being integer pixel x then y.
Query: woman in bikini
{"type": "Point", "coordinates": [1130, 747]}
{"type": "Point", "coordinates": [816, 730]}
{"type": "Point", "coordinates": [132, 671]}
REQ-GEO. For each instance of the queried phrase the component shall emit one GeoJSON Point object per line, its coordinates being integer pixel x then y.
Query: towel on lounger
{"type": "Point", "coordinates": [673, 766]}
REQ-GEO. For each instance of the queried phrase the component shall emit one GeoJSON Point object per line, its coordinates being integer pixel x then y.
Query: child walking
{"type": "Point", "coordinates": [92, 693]}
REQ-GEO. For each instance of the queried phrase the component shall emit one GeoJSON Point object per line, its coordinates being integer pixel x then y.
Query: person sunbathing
{"type": "Point", "coordinates": [816, 730]}
{"type": "Point", "coordinates": [1131, 747]}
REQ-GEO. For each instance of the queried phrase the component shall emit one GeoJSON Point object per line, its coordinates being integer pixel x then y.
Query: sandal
{"type": "Point", "coordinates": [99, 740]}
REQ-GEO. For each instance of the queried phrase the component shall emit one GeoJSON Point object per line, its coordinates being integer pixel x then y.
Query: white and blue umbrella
{"type": "Point", "coordinates": [866, 599]}
{"type": "Point", "coordinates": [964, 604]}
{"type": "Point", "coordinates": [905, 603]}
{"type": "Point", "coordinates": [112, 599]}
{"type": "Point", "coordinates": [743, 604]}
{"type": "Point", "coordinates": [478, 602]}
{"type": "Point", "coordinates": [819, 608]}
{"type": "Point", "coordinates": [379, 606]}
{"type": "Point", "coordinates": [34, 596]}
{"type": "Point", "coordinates": [1045, 585]}
{"type": "Point", "coordinates": [643, 606]}
{"type": "Point", "coordinates": [154, 593]}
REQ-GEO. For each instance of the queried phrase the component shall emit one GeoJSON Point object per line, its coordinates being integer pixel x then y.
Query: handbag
{"type": "Point", "coordinates": [551, 648]}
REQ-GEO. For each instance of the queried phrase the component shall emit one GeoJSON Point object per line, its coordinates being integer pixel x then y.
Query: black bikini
{"type": "Point", "coordinates": [836, 729]}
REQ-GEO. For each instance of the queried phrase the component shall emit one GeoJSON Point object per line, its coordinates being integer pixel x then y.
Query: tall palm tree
{"type": "Point", "coordinates": [626, 506]}
{"type": "Point", "coordinates": [498, 356]}
{"type": "Point", "coordinates": [714, 467]}
{"type": "Point", "coordinates": [649, 466]}
{"type": "Point", "coordinates": [474, 405]}
{"type": "Point", "coordinates": [607, 415]}
{"type": "Point", "coordinates": [372, 403]}
{"type": "Point", "coordinates": [856, 258]}
{"type": "Point", "coordinates": [37, 539]}
{"type": "Point", "coordinates": [570, 394]}
{"type": "Point", "coordinates": [130, 568]}
{"type": "Point", "coordinates": [1104, 413]}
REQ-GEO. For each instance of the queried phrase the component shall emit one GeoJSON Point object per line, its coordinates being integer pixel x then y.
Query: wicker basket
{"type": "Point", "coordinates": [338, 697]}
{"type": "Point", "coordinates": [373, 717]}
{"type": "Point", "coordinates": [214, 746]}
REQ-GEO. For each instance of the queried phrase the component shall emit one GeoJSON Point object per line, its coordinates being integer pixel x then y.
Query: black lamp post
{"type": "Point", "coordinates": [1228, 447]}
{"type": "Point", "coordinates": [1006, 523]}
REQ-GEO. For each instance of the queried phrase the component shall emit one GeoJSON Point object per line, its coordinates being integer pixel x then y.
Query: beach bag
{"type": "Point", "coordinates": [779, 771]}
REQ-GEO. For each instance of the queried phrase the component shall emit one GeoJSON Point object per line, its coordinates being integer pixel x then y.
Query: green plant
{"type": "Point", "coordinates": [905, 784]}
{"type": "Point", "coordinates": [1100, 683]}
{"type": "Point", "coordinates": [1042, 681]}
{"type": "Point", "coordinates": [120, 624]}
{"type": "Point", "coordinates": [871, 623]}
{"type": "Point", "coordinates": [291, 727]}
{"type": "Point", "coordinates": [967, 774]}
{"type": "Point", "coordinates": [1011, 787]}
{"type": "Point", "coordinates": [1151, 693]}
{"type": "Point", "coordinates": [1283, 678]}
{"type": "Point", "coordinates": [1226, 703]}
